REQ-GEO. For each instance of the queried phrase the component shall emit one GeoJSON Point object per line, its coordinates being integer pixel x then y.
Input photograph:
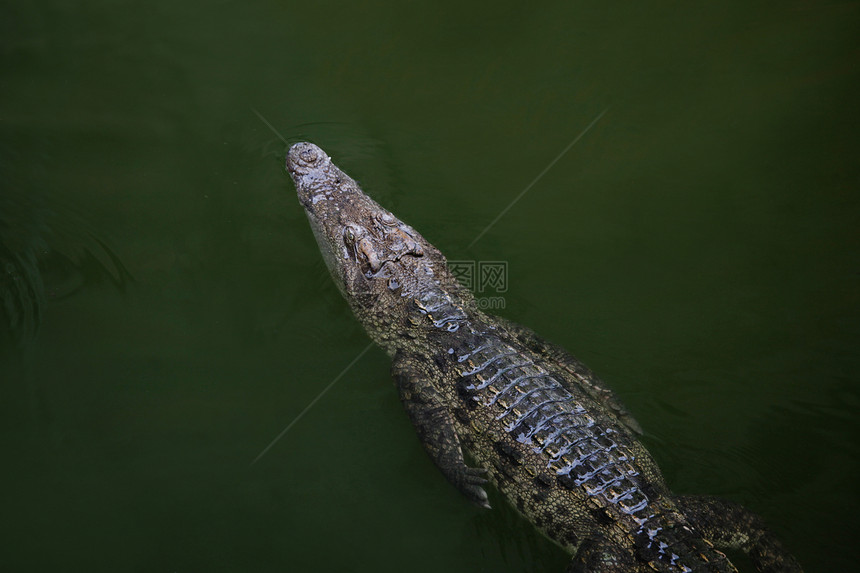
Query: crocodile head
{"type": "Point", "coordinates": [366, 248]}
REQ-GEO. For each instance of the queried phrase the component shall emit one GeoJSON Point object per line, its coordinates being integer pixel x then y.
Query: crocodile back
{"type": "Point", "coordinates": [564, 460]}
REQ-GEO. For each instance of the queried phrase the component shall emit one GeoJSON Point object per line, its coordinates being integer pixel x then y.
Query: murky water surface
{"type": "Point", "coordinates": [166, 313]}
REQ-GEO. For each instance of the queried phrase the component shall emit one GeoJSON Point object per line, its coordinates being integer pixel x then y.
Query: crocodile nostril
{"type": "Point", "coordinates": [304, 156]}
{"type": "Point", "coordinates": [309, 155]}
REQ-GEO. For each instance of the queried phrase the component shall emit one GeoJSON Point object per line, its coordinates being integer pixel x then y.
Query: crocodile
{"type": "Point", "coordinates": [492, 402]}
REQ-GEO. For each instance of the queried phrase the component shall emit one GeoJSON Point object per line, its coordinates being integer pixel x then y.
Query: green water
{"type": "Point", "coordinates": [166, 313]}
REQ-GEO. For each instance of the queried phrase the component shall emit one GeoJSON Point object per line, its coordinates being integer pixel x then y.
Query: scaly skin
{"type": "Point", "coordinates": [537, 424]}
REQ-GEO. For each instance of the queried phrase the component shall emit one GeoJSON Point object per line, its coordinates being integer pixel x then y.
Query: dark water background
{"type": "Point", "coordinates": [166, 313]}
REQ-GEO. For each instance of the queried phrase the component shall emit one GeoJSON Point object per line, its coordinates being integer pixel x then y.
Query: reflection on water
{"type": "Point", "coordinates": [46, 253]}
{"type": "Point", "coordinates": [21, 289]}
{"type": "Point", "coordinates": [697, 248]}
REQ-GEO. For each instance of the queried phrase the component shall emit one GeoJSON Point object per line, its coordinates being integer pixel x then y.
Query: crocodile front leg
{"type": "Point", "coordinates": [599, 555]}
{"type": "Point", "coordinates": [731, 526]}
{"type": "Point", "coordinates": [436, 430]}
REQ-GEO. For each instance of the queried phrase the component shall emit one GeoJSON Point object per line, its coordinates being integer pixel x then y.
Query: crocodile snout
{"type": "Point", "coordinates": [304, 157]}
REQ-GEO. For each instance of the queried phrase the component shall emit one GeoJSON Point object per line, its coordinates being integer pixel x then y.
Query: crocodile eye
{"type": "Point", "coordinates": [387, 219]}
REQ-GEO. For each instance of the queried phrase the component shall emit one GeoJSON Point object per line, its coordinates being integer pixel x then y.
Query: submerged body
{"type": "Point", "coordinates": [534, 421]}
